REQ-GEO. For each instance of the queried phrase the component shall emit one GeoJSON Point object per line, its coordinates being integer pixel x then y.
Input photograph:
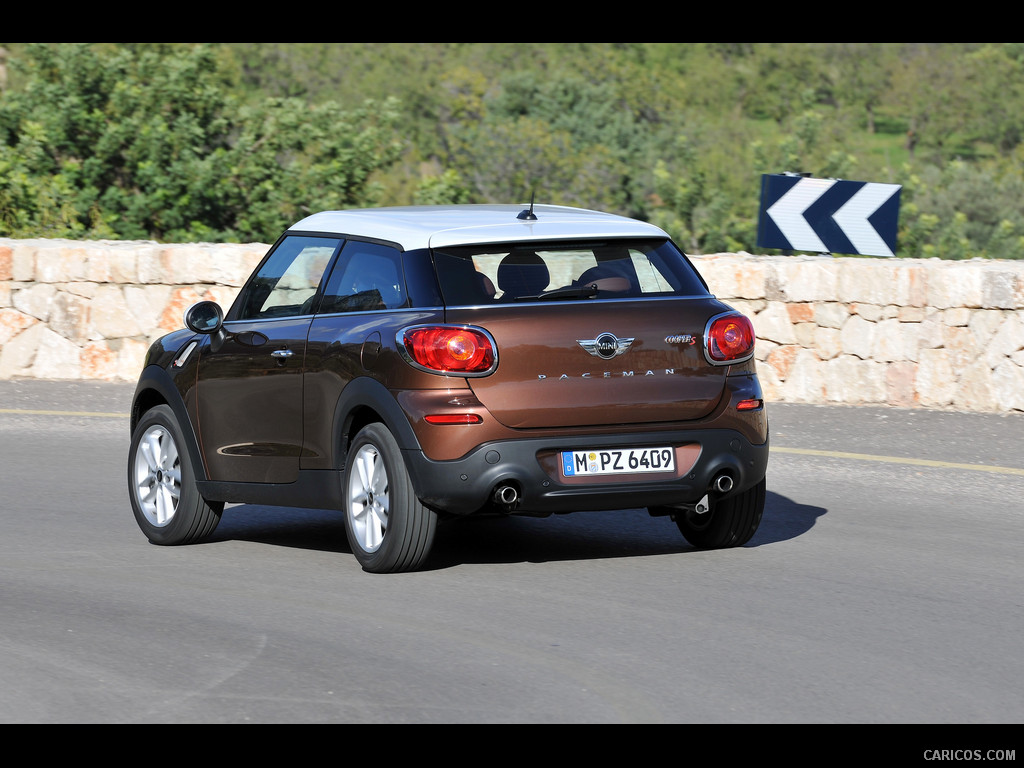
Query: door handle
{"type": "Point", "coordinates": [282, 353]}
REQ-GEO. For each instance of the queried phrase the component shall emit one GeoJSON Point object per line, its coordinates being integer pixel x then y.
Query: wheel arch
{"type": "Point", "coordinates": [363, 401]}
{"type": "Point", "coordinates": [156, 387]}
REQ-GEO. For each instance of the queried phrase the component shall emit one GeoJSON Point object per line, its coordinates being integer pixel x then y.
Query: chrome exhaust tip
{"type": "Point", "coordinates": [506, 496]}
{"type": "Point", "coordinates": [723, 483]}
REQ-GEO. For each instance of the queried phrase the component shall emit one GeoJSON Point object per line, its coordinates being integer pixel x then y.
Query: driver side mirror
{"type": "Point", "coordinates": [204, 317]}
{"type": "Point", "coordinates": [207, 317]}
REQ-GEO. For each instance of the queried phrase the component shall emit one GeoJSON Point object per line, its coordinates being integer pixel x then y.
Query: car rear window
{"type": "Point", "coordinates": [614, 269]}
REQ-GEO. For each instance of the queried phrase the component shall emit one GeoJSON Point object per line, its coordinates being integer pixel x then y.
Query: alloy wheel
{"type": "Point", "coordinates": [368, 500]}
{"type": "Point", "coordinates": [158, 476]}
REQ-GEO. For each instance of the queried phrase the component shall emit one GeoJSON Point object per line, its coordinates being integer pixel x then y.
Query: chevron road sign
{"type": "Point", "coordinates": [800, 213]}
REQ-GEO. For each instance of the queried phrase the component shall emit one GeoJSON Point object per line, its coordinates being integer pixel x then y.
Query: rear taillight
{"type": "Point", "coordinates": [449, 349]}
{"type": "Point", "coordinates": [729, 338]}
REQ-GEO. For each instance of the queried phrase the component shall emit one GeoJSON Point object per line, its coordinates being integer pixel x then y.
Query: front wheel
{"type": "Point", "coordinates": [730, 523]}
{"type": "Point", "coordinates": [161, 483]}
{"type": "Point", "coordinates": [388, 528]}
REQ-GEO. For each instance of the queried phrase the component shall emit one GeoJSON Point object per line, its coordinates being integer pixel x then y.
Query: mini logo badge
{"type": "Point", "coordinates": [606, 346]}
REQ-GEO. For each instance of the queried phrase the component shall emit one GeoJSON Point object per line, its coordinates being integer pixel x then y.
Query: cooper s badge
{"type": "Point", "coordinates": [681, 338]}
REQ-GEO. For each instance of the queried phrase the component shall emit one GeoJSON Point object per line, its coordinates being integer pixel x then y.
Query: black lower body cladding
{"type": "Point", "coordinates": [523, 475]}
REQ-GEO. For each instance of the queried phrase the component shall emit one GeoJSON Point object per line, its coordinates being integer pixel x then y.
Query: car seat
{"type": "Point", "coordinates": [522, 273]}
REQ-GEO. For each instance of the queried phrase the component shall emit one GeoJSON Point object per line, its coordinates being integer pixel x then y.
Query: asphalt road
{"type": "Point", "coordinates": [885, 586]}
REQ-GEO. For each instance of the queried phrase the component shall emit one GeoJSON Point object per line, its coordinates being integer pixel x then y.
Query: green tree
{"type": "Point", "coordinates": [859, 73]}
{"type": "Point", "coordinates": [147, 141]}
{"type": "Point", "coordinates": [993, 97]}
{"type": "Point", "coordinates": [963, 210]}
{"type": "Point", "coordinates": [928, 90]}
{"type": "Point", "coordinates": [783, 78]}
{"type": "Point", "coordinates": [563, 139]}
{"type": "Point", "coordinates": [445, 188]}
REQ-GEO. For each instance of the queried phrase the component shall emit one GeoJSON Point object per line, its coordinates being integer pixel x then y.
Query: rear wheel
{"type": "Point", "coordinates": [388, 528]}
{"type": "Point", "coordinates": [161, 483]}
{"type": "Point", "coordinates": [730, 523]}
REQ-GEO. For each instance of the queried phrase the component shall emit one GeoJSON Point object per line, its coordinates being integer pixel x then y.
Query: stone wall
{"type": "Point", "coordinates": [90, 309]}
{"type": "Point", "coordinates": [902, 332]}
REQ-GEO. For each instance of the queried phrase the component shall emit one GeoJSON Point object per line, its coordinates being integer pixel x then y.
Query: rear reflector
{"type": "Point", "coordinates": [749, 405]}
{"type": "Point", "coordinates": [453, 418]}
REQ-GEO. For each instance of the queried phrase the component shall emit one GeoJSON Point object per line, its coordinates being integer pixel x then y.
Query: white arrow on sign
{"type": "Point", "coordinates": [788, 213]}
{"type": "Point", "coordinates": [852, 218]}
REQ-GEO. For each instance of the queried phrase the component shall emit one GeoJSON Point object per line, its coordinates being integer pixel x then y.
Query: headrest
{"type": "Point", "coordinates": [522, 273]}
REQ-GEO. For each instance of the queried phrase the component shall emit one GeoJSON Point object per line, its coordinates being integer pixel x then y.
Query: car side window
{"type": "Point", "coordinates": [367, 276]}
{"type": "Point", "coordinates": [286, 285]}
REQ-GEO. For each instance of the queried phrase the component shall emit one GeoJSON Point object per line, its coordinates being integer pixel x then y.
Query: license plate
{"type": "Point", "coordinates": [617, 461]}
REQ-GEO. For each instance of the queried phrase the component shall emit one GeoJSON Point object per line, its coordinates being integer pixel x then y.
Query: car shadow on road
{"type": "Point", "coordinates": [314, 529]}
{"type": "Point", "coordinates": [484, 540]}
{"type": "Point", "coordinates": [598, 535]}
{"type": "Point", "coordinates": [784, 519]}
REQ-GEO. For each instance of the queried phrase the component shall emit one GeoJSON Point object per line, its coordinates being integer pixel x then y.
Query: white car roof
{"type": "Point", "coordinates": [433, 226]}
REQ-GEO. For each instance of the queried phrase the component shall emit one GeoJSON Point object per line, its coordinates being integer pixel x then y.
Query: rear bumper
{"type": "Point", "coordinates": [531, 468]}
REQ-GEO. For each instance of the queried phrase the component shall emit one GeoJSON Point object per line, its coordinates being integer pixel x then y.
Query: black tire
{"type": "Point", "coordinates": [730, 523]}
{"type": "Point", "coordinates": [162, 484]}
{"type": "Point", "coordinates": [388, 529]}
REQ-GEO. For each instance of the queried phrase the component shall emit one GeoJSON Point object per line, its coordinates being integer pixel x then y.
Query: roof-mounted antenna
{"type": "Point", "coordinates": [527, 214]}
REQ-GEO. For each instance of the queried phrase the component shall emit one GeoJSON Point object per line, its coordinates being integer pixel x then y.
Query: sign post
{"type": "Point", "coordinates": [801, 213]}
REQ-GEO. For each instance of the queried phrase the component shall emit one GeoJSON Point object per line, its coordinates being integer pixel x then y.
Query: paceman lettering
{"type": "Point", "coordinates": [606, 375]}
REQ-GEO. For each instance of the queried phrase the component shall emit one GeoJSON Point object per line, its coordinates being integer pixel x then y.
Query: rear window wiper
{"type": "Point", "coordinates": [566, 292]}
